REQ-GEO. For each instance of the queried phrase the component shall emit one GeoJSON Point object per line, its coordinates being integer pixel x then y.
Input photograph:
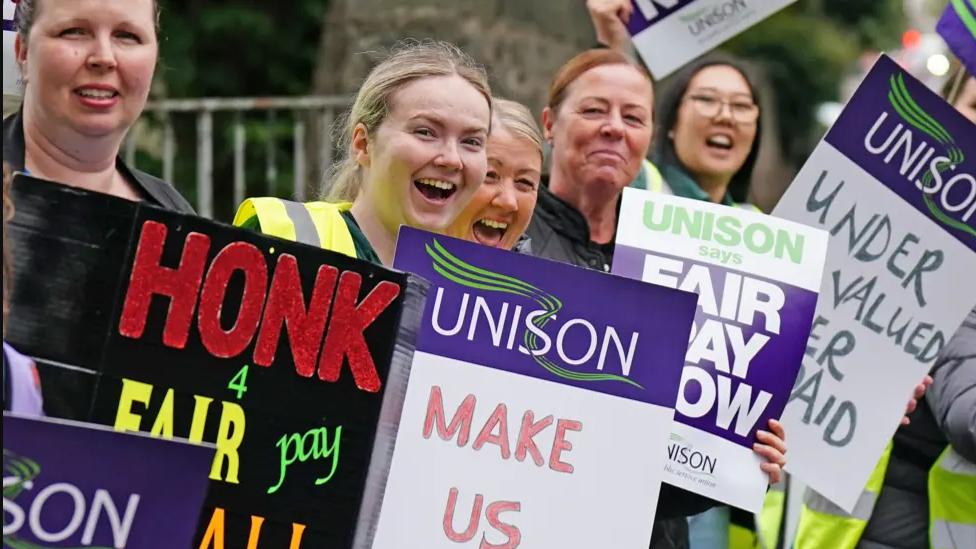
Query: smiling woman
{"type": "Point", "coordinates": [415, 143]}
{"type": "Point", "coordinates": [87, 67]}
{"type": "Point", "coordinates": [500, 211]}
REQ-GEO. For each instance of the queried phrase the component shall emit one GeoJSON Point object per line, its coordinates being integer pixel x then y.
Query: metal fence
{"type": "Point", "coordinates": [312, 120]}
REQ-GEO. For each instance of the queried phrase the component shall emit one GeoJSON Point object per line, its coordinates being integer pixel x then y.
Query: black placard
{"type": "Point", "coordinates": [138, 273]}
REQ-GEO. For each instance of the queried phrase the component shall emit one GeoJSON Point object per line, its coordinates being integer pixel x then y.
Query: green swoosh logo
{"type": "Point", "coordinates": [470, 276]}
{"type": "Point", "coordinates": [26, 470]}
{"type": "Point", "coordinates": [916, 117]}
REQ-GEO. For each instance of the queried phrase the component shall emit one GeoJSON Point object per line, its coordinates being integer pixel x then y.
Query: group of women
{"type": "Point", "coordinates": [426, 144]}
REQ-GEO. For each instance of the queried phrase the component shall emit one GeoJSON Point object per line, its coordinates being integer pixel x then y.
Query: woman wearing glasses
{"type": "Point", "coordinates": [708, 132]}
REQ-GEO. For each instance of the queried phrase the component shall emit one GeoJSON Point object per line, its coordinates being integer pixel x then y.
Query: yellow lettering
{"type": "Point", "coordinates": [297, 531]}
{"type": "Point", "coordinates": [200, 408]}
{"type": "Point", "coordinates": [164, 421]}
{"type": "Point", "coordinates": [252, 540]}
{"type": "Point", "coordinates": [132, 391]}
{"type": "Point", "coordinates": [229, 437]}
{"type": "Point", "coordinates": [215, 531]}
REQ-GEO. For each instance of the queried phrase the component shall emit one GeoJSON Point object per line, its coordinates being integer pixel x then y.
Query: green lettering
{"type": "Point", "coordinates": [725, 230]}
{"type": "Point", "coordinates": [314, 444]}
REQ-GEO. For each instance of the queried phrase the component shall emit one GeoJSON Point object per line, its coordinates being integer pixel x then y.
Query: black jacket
{"type": "Point", "coordinates": [66, 391]}
{"type": "Point", "coordinates": [559, 232]}
{"type": "Point", "coordinates": [154, 190]}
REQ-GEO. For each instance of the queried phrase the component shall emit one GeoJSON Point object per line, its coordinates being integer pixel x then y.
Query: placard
{"type": "Point", "coordinates": [13, 82]}
{"type": "Point", "coordinates": [277, 352]}
{"type": "Point", "coordinates": [540, 400]}
{"type": "Point", "coordinates": [669, 33]}
{"type": "Point", "coordinates": [757, 278]}
{"type": "Point", "coordinates": [893, 182]}
{"type": "Point", "coordinates": [76, 485]}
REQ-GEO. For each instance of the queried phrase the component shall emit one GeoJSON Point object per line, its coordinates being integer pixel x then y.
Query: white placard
{"type": "Point", "coordinates": [669, 33]}
{"type": "Point", "coordinates": [757, 278]}
{"type": "Point", "coordinates": [899, 276]}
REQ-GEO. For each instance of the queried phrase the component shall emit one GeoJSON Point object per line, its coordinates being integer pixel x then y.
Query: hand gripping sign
{"type": "Point", "coordinates": [757, 279]}
{"type": "Point", "coordinates": [894, 182]}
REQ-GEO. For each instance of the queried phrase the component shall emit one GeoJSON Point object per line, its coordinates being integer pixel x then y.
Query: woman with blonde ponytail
{"type": "Point", "coordinates": [415, 144]}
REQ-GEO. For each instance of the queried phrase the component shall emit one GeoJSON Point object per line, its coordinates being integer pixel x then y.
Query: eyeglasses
{"type": "Point", "coordinates": [743, 111]}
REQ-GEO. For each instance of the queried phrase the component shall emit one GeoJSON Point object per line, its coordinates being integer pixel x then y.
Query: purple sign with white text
{"type": "Point", "coordinates": [75, 486]}
{"type": "Point", "coordinates": [549, 320]}
{"type": "Point", "coordinates": [754, 364]}
{"type": "Point", "coordinates": [916, 144]}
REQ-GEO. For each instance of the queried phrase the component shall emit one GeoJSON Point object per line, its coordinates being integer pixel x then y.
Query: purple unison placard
{"type": "Point", "coordinates": [914, 143]}
{"type": "Point", "coordinates": [69, 485]}
{"type": "Point", "coordinates": [549, 320]}
{"type": "Point", "coordinates": [773, 366]}
{"type": "Point", "coordinates": [757, 278]}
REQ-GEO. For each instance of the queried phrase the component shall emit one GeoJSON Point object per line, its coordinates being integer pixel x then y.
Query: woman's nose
{"type": "Point", "coordinates": [613, 126]}
{"type": "Point", "coordinates": [505, 198]}
{"type": "Point", "coordinates": [102, 56]}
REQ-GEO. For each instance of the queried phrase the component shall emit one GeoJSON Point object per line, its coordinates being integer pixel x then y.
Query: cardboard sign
{"type": "Point", "coordinates": [81, 486]}
{"type": "Point", "coordinates": [669, 33]}
{"type": "Point", "coordinates": [13, 82]}
{"type": "Point", "coordinates": [540, 398]}
{"type": "Point", "coordinates": [757, 278]}
{"type": "Point", "coordinates": [276, 352]}
{"type": "Point", "coordinates": [893, 182]}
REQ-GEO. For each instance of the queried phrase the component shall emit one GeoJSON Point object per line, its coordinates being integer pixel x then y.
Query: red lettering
{"type": "Point", "coordinates": [286, 306]}
{"type": "Point", "coordinates": [345, 336]}
{"type": "Point", "coordinates": [284, 310]}
{"type": "Point", "coordinates": [461, 420]}
{"type": "Point", "coordinates": [472, 527]}
{"type": "Point", "coordinates": [239, 256]}
{"type": "Point", "coordinates": [511, 532]}
{"type": "Point", "coordinates": [525, 443]}
{"type": "Point", "coordinates": [150, 278]}
{"type": "Point", "coordinates": [561, 444]}
{"type": "Point", "coordinates": [500, 418]}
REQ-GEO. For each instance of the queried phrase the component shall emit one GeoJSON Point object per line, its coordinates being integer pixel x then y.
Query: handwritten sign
{"type": "Point", "coordinates": [539, 392]}
{"type": "Point", "coordinates": [13, 84]}
{"type": "Point", "coordinates": [82, 486]}
{"type": "Point", "coordinates": [276, 352]}
{"type": "Point", "coordinates": [669, 33]}
{"type": "Point", "coordinates": [893, 182]}
{"type": "Point", "coordinates": [757, 279]}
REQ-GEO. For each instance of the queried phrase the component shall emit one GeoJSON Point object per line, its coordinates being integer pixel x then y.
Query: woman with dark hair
{"type": "Point", "coordinates": [708, 131]}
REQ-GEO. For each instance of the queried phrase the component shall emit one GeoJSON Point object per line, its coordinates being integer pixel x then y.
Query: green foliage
{"type": "Point", "coordinates": [806, 51]}
{"type": "Point", "coordinates": [244, 48]}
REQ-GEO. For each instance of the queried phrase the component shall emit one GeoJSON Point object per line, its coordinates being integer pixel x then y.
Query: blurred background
{"type": "Point", "coordinates": [249, 92]}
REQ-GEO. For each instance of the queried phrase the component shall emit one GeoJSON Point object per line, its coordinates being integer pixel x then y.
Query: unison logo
{"type": "Point", "coordinates": [525, 321]}
{"type": "Point", "coordinates": [44, 516]}
{"type": "Point", "coordinates": [934, 169]}
{"type": "Point", "coordinates": [705, 19]}
{"type": "Point", "coordinates": [684, 454]}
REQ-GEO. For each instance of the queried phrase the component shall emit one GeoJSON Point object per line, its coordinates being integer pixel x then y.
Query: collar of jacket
{"type": "Point", "coordinates": [14, 154]}
{"type": "Point", "coordinates": [683, 185]}
{"type": "Point", "coordinates": [562, 216]}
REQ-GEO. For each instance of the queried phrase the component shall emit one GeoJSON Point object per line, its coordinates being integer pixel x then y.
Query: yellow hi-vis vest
{"type": "Point", "coordinates": [656, 184]}
{"type": "Point", "coordinates": [764, 534]}
{"type": "Point", "coordinates": [952, 509]}
{"type": "Point", "coordinates": [315, 223]}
